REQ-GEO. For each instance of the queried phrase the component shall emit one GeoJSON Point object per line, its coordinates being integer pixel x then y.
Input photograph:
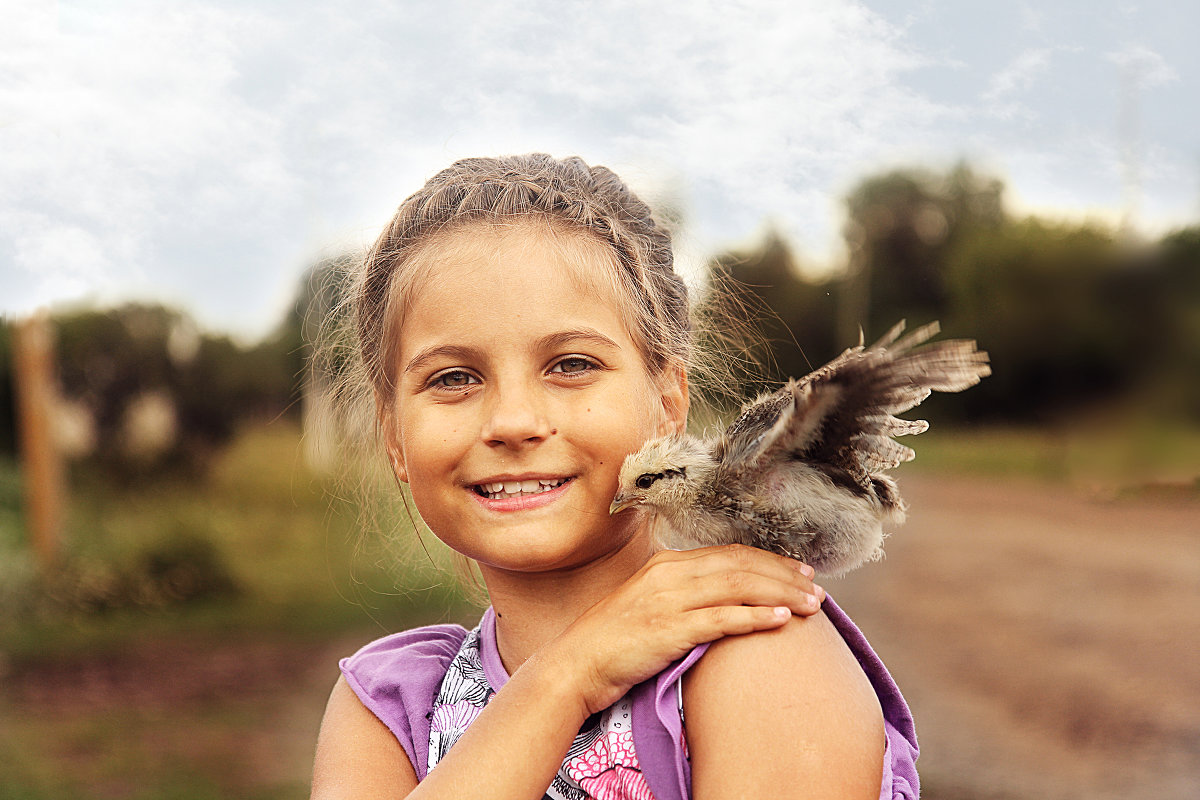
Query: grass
{"type": "Point", "coordinates": [291, 567]}
{"type": "Point", "coordinates": [296, 562]}
{"type": "Point", "coordinates": [1116, 459]}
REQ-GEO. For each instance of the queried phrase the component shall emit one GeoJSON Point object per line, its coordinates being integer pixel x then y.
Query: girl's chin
{"type": "Point", "coordinates": [531, 551]}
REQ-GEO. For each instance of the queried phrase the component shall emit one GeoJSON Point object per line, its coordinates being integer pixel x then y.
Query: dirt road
{"type": "Point", "coordinates": [1049, 644]}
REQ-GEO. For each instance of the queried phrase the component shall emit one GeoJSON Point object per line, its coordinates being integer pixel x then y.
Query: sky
{"type": "Point", "coordinates": [204, 154]}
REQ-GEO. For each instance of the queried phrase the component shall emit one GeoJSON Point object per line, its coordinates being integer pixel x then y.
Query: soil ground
{"type": "Point", "coordinates": [1049, 644]}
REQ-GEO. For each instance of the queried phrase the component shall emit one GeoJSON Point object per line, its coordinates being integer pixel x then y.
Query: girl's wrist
{"type": "Point", "coordinates": [567, 676]}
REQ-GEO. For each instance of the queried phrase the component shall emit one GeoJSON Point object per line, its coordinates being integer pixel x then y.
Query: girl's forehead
{"type": "Point", "coordinates": [482, 251]}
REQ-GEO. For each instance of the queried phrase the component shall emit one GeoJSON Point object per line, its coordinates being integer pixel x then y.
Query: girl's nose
{"type": "Point", "coordinates": [516, 419]}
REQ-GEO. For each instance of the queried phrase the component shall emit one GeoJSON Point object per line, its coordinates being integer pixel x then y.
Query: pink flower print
{"type": "Point", "coordinates": [608, 770]}
{"type": "Point", "coordinates": [618, 783]}
{"type": "Point", "coordinates": [454, 717]}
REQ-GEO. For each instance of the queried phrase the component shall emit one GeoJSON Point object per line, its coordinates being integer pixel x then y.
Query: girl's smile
{"type": "Point", "coordinates": [516, 494]}
{"type": "Point", "coordinates": [519, 393]}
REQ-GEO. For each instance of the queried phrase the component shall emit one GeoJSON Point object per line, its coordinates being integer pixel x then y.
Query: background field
{"type": "Point", "coordinates": [1039, 611]}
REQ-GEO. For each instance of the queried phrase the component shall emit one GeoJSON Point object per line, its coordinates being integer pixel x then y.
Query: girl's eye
{"type": "Point", "coordinates": [574, 365]}
{"type": "Point", "coordinates": [455, 379]}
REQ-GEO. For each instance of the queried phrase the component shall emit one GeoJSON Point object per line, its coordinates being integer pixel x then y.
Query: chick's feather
{"type": "Point", "coordinates": [801, 471]}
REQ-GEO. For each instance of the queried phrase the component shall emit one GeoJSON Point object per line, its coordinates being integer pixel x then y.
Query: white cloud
{"type": "Point", "coordinates": [201, 152]}
{"type": "Point", "coordinates": [158, 139]}
{"type": "Point", "coordinates": [1143, 65]}
{"type": "Point", "coordinates": [1018, 75]}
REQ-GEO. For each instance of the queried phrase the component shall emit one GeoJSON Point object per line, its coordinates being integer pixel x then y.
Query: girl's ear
{"type": "Point", "coordinates": [396, 457]}
{"type": "Point", "coordinates": [391, 444]}
{"type": "Point", "coordinates": [673, 386]}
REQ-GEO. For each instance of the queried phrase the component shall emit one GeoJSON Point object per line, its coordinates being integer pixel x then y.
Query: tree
{"type": "Point", "coordinates": [796, 316]}
{"type": "Point", "coordinates": [900, 226]}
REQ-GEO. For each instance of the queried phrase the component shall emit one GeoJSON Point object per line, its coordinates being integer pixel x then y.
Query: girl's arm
{"type": "Point", "coordinates": [357, 756]}
{"type": "Point", "coordinates": [512, 750]}
{"type": "Point", "coordinates": [785, 713]}
{"type": "Point", "coordinates": [515, 746]}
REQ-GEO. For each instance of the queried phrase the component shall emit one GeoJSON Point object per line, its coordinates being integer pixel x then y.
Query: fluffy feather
{"type": "Point", "coordinates": [800, 471]}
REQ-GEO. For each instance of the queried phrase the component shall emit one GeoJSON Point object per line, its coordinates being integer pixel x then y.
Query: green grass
{"type": "Point", "coordinates": [1119, 458]}
{"type": "Point", "coordinates": [301, 571]}
{"type": "Point", "coordinates": [298, 563]}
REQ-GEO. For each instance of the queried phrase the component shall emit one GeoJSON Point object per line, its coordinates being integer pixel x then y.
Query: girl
{"type": "Point", "coordinates": [523, 331]}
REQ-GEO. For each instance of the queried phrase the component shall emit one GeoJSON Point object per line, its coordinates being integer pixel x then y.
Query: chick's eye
{"type": "Point", "coordinates": [573, 365]}
{"type": "Point", "coordinates": [647, 480]}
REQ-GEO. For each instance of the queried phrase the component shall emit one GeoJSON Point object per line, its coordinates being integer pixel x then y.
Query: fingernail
{"type": "Point", "coordinates": [783, 612]}
{"type": "Point", "coordinates": [807, 570]}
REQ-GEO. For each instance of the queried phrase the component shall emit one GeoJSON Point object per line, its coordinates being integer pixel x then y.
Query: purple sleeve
{"type": "Point", "coordinates": [900, 780]}
{"type": "Point", "coordinates": [397, 678]}
{"type": "Point", "coordinates": [658, 728]}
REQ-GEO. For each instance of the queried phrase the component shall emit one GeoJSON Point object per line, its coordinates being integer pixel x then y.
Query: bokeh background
{"type": "Point", "coordinates": [183, 556]}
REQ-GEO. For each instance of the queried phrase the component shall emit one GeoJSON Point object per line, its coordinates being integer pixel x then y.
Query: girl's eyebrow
{"type": "Point", "coordinates": [451, 351]}
{"type": "Point", "coordinates": [551, 341]}
{"type": "Point", "coordinates": [554, 341]}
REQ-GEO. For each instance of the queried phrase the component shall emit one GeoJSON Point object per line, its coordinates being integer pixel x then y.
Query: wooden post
{"type": "Point", "coordinates": [41, 462]}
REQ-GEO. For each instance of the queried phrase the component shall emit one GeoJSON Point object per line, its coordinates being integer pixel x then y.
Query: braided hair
{"type": "Point", "coordinates": [566, 193]}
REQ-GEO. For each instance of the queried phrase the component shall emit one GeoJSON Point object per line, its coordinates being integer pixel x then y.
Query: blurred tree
{"type": "Point", "coordinates": [1029, 292]}
{"type": "Point", "coordinates": [319, 320]}
{"type": "Point", "coordinates": [8, 420]}
{"type": "Point", "coordinates": [900, 226]}
{"type": "Point", "coordinates": [1073, 318]}
{"type": "Point", "coordinates": [162, 395]}
{"type": "Point", "coordinates": [796, 316]}
{"type": "Point", "coordinates": [1179, 256]}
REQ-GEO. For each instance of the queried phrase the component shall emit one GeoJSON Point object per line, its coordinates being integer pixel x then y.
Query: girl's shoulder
{"type": "Point", "coordinates": [814, 689]}
{"type": "Point", "coordinates": [397, 677]}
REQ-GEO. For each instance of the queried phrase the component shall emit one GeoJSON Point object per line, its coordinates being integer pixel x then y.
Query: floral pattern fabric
{"type": "Point", "coordinates": [601, 763]}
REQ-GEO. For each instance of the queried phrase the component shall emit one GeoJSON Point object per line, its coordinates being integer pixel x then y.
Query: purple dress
{"type": "Point", "coordinates": [428, 684]}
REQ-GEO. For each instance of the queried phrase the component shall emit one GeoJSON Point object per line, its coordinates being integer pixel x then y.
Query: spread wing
{"type": "Point", "coordinates": [841, 418]}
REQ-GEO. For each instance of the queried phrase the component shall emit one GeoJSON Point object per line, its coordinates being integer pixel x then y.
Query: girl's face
{"type": "Point", "coordinates": [519, 394]}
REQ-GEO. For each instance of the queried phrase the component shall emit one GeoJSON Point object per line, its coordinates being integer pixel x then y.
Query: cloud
{"type": "Point", "coordinates": [129, 139]}
{"type": "Point", "coordinates": [1143, 65]}
{"type": "Point", "coordinates": [1017, 75]}
{"type": "Point", "coordinates": [204, 152]}
{"type": "Point", "coordinates": [196, 151]}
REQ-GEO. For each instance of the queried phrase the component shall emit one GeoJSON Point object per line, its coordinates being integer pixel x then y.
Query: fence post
{"type": "Point", "coordinates": [41, 461]}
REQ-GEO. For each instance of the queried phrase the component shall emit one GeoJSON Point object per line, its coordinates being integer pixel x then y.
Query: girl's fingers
{"type": "Point", "coordinates": [706, 563]}
{"type": "Point", "coordinates": [734, 588]}
{"type": "Point", "coordinates": [710, 624]}
{"type": "Point", "coordinates": [681, 599]}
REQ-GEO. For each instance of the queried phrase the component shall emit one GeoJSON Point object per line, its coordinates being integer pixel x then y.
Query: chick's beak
{"type": "Point", "coordinates": [620, 503]}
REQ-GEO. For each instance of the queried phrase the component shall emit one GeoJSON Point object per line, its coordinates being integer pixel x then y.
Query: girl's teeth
{"type": "Point", "coordinates": [508, 489]}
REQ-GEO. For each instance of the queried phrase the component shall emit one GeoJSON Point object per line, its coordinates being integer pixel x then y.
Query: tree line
{"type": "Point", "coordinates": [1076, 316]}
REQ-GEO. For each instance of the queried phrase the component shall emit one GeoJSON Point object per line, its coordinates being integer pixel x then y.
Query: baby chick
{"type": "Point", "coordinates": [800, 471]}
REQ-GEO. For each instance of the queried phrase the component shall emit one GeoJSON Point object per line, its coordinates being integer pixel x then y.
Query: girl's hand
{"type": "Point", "coordinates": [676, 601]}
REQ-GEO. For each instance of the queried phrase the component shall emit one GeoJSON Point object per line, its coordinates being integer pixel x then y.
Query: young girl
{"type": "Point", "coordinates": [523, 330]}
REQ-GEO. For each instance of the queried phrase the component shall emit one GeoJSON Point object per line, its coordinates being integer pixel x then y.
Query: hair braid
{"type": "Point", "coordinates": [588, 198]}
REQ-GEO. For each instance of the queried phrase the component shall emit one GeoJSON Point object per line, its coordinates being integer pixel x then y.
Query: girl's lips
{"type": "Point", "coordinates": [522, 502]}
